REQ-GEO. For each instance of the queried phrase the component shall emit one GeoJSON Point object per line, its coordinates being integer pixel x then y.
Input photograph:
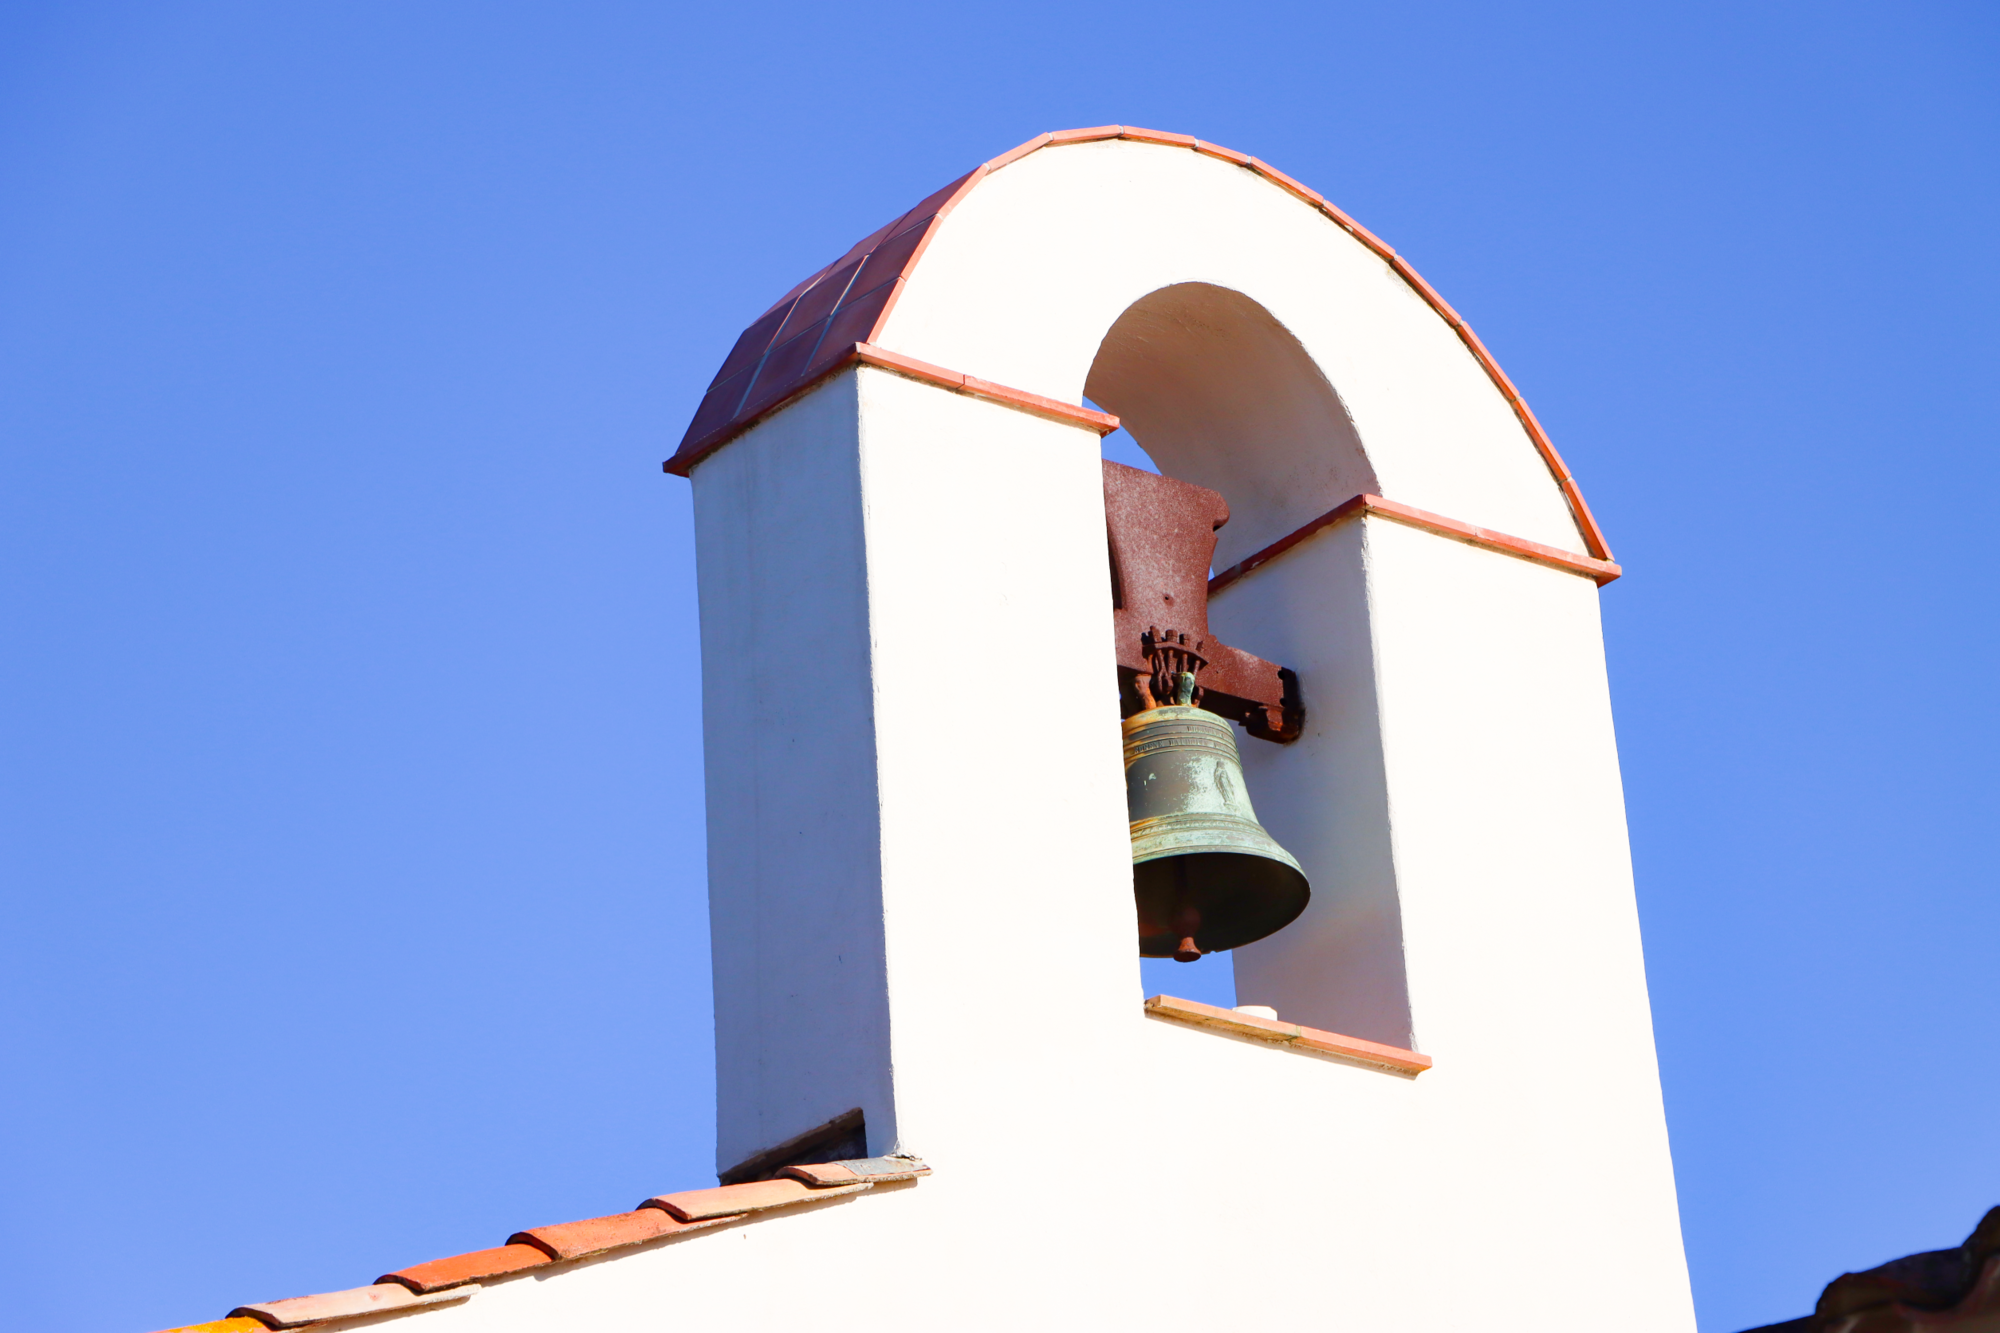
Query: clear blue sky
{"type": "Point", "coordinates": [352, 809]}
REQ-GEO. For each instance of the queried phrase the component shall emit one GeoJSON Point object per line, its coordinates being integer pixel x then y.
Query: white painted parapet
{"type": "Point", "coordinates": [912, 768]}
{"type": "Point", "coordinates": [922, 893]}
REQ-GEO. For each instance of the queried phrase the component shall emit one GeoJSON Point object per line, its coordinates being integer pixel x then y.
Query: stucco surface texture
{"type": "Point", "coordinates": [920, 869]}
{"type": "Point", "coordinates": [1035, 265]}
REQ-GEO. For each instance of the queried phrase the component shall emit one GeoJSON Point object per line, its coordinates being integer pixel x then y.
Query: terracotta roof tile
{"type": "Point", "coordinates": [1600, 572]}
{"type": "Point", "coordinates": [1016, 154]}
{"type": "Point", "coordinates": [1208, 149]}
{"type": "Point", "coordinates": [750, 1197]}
{"type": "Point", "coordinates": [1428, 292]}
{"type": "Point", "coordinates": [1286, 183]}
{"type": "Point", "coordinates": [595, 1235]}
{"type": "Point", "coordinates": [302, 1310]}
{"type": "Point", "coordinates": [1091, 135]}
{"type": "Point", "coordinates": [456, 1278]}
{"type": "Point", "coordinates": [1159, 136]}
{"type": "Point", "coordinates": [459, 1269]}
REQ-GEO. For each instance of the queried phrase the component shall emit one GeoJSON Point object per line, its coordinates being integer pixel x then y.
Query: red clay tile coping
{"type": "Point", "coordinates": [458, 1277]}
{"type": "Point", "coordinates": [881, 358]}
{"type": "Point", "coordinates": [300, 1311]}
{"type": "Point", "coordinates": [1053, 409]}
{"type": "Point", "coordinates": [1601, 571]}
{"type": "Point", "coordinates": [1279, 1033]}
{"type": "Point", "coordinates": [722, 416]}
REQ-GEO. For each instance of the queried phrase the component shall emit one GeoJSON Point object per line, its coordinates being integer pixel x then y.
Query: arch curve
{"type": "Point", "coordinates": [1219, 393]}
{"type": "Point", "coordinates": [1015, 272]}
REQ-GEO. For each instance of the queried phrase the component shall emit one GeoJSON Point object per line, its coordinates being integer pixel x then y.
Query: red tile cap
{"type": "Point", "coordinates": [459, 1269]}
{"type": "Point", "coordinates": [454, 1279]}
{"type": "Point", "coordinates": [1425, 290]}
{"type": "Point", "coordinates": [1090, 135]}
{"type": "Point", "coordinates": [595, 1235]}
{"type": "Point", "coordinates": [302, 1310]}
{"type": "Point", "coordinates": [1284, 182]}
{"type": "Point", "coordinates": [1208, 149]}
{"type": "Point", "coordinates": [1133, 132]}
{"type": "Point", "coordinates": [1016, 154]}
{"type": "Point", "coordinates": [750, 1197]}
{"type": "Point", "coordinates": [939, 201]}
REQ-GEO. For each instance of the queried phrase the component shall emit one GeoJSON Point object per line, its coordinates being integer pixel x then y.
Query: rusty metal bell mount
{"type": "Point", "coordinates": [1206, 875]}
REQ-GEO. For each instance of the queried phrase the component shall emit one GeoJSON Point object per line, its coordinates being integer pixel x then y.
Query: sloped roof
{"type": "Point", "coordinates": [443, 1281]}
{"type": "Point", "coordinates": [1939, 1290]}
{"type": "Point", "coordinates": [816, 327]}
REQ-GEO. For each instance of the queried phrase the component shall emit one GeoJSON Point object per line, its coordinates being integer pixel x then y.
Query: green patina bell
{"type": "Point", "coordinates": [1206, 875]}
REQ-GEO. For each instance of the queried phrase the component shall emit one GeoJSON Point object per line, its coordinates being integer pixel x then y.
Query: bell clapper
{"type": "Point", "coordinates": [1186, 922]}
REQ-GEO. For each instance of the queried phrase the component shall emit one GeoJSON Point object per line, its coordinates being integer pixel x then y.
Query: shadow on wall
{"type": "Point", "coordinates": [1212, 979]}
{"type": "Point", "coordinates": [1216, 391]}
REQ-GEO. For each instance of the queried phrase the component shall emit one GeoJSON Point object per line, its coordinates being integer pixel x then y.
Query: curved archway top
{"type": "Point", "coordinates": [1017, 271]}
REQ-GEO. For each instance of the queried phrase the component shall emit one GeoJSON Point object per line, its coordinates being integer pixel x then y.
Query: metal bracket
{"type": "Point", "coordinates": [1162, 539]}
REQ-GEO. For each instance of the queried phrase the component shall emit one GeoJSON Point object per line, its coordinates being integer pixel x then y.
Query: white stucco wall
{"type": "Point", "coordinates": [883, 568]}
{"type": "Point", "coordinates": [1097, 1169]}
{"type": "Point", "coordinates": [794, 850]}
{"type": "Point", "coordinates": [920, 872]}
{"type": "Point", "coordinates": [1036, 264]}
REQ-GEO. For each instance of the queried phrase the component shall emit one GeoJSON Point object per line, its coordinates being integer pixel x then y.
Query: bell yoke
{"type": "Point", "coordinates": [1205, 874]}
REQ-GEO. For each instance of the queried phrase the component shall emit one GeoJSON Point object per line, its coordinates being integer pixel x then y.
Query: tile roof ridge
{"type": "Point", "coordinates": [1956, 1288]}
{"type": "Point", "coordinates": [1933, 1280]}
{"type": "Point", "coordinates": [458, 1277]}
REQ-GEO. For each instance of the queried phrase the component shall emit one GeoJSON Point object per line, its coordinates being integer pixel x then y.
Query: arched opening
{"type": "Point", "coordinates": [1218, 392]}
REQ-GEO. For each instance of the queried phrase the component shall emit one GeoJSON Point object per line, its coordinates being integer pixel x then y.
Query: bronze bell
{"type": "Point", "coordinates": [1206, 875]}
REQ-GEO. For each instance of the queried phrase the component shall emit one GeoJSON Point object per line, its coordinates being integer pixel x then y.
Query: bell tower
{"type": "Point", "coordinates": [936, 717]}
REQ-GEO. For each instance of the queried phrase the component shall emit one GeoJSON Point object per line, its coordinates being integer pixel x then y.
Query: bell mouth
{"type": "Point", "coordinates": [1221, 900]}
